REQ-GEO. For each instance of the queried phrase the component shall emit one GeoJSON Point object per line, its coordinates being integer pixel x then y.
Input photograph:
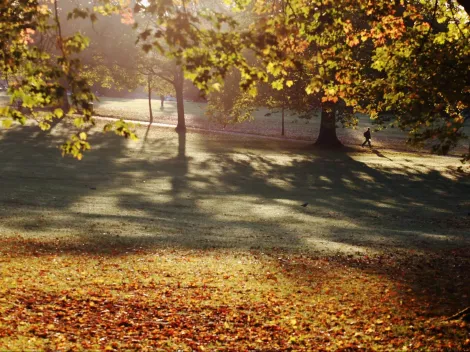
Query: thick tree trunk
{"type": "Point", "coordinates": [65, 105]}
{"type": "Point", "coordinates": [150, 99]}
{"type": "Point", "coordinates": [178, 84]}
{"type": "Point", "coordinates": [327, 136]}
{"type": "Point", "coordinates": [282, 132]}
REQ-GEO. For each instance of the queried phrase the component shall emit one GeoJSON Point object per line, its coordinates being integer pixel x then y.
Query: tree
{"type": "Point", "coordinates": [292, 97]}
{"type": "Point", "coordinates": [229, 104]}
{"type": "Point", "coordinates": [157, 73]}
{"type": "Point", "coordinates": [41, 64]}
{"type": "Point", "coordinates": [375, 57]}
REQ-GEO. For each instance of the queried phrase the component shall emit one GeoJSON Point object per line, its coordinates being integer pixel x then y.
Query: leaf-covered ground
{"type": "Point", "coordinates": [58, 295]}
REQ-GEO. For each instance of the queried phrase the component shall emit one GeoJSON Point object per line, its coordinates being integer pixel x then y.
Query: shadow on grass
{"type": "Point", "coordinates": [202, 191]}
{"type": "Point", "coordinates": [249, 189]}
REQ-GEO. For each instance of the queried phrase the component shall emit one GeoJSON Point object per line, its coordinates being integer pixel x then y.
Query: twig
{"type": "Point", "coordinates": [465, 314]}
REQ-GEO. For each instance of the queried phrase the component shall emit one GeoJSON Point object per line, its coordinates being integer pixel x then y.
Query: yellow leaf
{"type": "Point", "coordinates": [59, 113]}
{"type": "Point", "coordinates": [7, 123]}
{"type": "Point", "coordinates": [82, 136]}
{"type": "Point", "coordinates": [289, 83]}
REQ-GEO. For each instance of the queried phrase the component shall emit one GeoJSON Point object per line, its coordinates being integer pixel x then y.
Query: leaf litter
{"type": "Point", "coordinates": [66, 295]}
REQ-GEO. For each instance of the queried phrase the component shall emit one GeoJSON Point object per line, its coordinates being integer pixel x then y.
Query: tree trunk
{"type": "Point", "coordinates": [65, 106]}
{"type": "Point", "coordinates": [162, 99]}
{"type": "Point", "coordinates": [327, 136]}
{"type": "Point", "coordinates": [282, 132]}
{"type": "Point", "coordinates": [178, 84]}
{"type": "Point", "coordinates": [149, 82]}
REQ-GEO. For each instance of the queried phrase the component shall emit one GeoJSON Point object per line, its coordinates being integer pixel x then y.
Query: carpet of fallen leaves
{"type": "Point", "coordinates": [65, 295]}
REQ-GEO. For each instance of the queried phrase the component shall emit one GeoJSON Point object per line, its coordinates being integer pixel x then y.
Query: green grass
{"type": "Point", "coordinates": [200, 242]}
{"type": "Point", "coordinates": [295, 128]}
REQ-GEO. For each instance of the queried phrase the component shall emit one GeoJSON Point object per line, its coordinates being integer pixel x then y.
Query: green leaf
{"type": "Point", "coordinates": [43, 125]}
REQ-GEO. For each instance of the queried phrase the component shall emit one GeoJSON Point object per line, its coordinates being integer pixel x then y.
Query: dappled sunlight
{"type": "Point", "coordinates": [206, 190]}
{"type": "Point", "coordinates": [326, 246]}
{"type": "Point", "coordinates": [324, 179]}
{"type": "Point", "coordinates": [195, 198]}
{"type": "Point", "coordinates": [364, 176]}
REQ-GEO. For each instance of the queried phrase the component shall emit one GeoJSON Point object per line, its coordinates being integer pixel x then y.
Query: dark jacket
{"type": "Point", "coordinates": [367, 134]}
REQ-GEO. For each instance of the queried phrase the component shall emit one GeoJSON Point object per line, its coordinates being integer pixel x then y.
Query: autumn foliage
{"type": "Point", "coordinates": [62, 295]}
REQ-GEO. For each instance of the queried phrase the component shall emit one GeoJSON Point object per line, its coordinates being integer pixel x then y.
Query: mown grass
{"type": "Point", "coordinates": [265, 122]}
{"type": "Point", "coordinates": [200, 242]}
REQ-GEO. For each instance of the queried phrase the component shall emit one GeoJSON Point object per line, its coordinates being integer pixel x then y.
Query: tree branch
{"type": "Point", "coordinates": [465, 4]}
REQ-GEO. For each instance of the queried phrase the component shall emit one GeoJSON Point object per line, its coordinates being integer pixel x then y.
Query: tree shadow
{"type": "Point", "coordinates": [255, 187]}
{"type": "Point", "coordinates": [217, 191]}
{"type": "Point", "coordinates": [36, 178]}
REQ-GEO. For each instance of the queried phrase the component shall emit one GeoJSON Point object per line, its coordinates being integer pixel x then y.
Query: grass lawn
{"type": "Point", "coordinates": [295, 128]}
{"type": "Point", "coordinates": [137, 109]}
{"type": "Point", "coordinates": [200, 242]}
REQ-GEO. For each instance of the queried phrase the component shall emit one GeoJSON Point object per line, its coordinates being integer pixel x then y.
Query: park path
{"type": "Point", "coordinates": [201, 129]}
{"type": "Point", "coordinates": [350, 138]}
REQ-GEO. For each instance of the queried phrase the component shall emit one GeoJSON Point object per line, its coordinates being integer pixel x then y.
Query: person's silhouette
{"type": "Point", "coordinates": [367, 135]}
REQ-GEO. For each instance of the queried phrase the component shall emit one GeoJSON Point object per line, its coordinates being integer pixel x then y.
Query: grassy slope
{"type": "Point", "coordinates": [200, 242]}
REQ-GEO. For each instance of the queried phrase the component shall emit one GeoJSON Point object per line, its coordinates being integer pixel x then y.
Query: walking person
{"type": "Point", "coordinates": [368, 138]}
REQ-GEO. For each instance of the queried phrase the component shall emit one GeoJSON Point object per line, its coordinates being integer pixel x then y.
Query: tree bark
{"type": "Point", "coordinates": [178, 84]}
{"type": "Point", "coordinates": [282, 132]}
{"type": "Point", "coordinates": [149, 82]}
{"type": "Point", "coordinates": [327, 136]}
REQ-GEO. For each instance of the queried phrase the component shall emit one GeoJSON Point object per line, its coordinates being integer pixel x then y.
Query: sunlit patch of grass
{"type": "Point", "coordinates": [66, 295]}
